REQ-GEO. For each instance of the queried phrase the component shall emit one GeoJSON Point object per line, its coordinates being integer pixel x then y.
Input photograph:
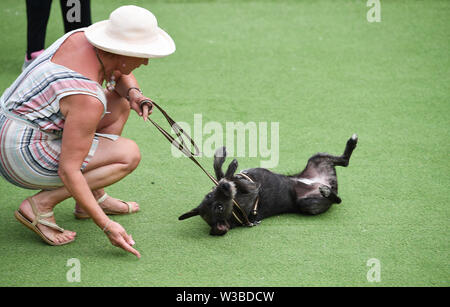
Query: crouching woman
{"type": "Point", "coordinates": [60, 131]}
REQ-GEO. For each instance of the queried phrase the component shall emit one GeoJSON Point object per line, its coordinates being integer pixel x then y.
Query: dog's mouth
{"type": "Point", "coordinates": [220, 228]}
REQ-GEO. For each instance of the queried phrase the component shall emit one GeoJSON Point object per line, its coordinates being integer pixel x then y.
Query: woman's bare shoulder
{"type": "Point", "coordinates": [77, 54]}
{"type": "Point", "coordinates": [81, 105]}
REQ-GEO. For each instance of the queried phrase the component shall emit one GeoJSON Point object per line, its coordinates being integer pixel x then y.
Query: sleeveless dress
{"type": "Point", "coordinates": [31, 123]}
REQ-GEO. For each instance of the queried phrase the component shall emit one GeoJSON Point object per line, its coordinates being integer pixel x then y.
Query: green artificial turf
{"type": "Point", "coordinates": [320, 70]}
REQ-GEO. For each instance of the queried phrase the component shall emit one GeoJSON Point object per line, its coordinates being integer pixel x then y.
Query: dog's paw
{"type": "Point", "coordinates": [353, 141]}
{"type": "Point", "coordinates": [255, 223]}
{"type": "Point", "coordinates": [325, 191]}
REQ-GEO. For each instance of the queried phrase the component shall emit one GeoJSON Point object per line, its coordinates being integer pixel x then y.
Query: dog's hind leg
{"type": "Point", "coordinates": [351, 145]}
{"type": "Point", "coordinates": [337, 160]}
{"type": "Point", "coordinates": [328, 193]}
{"type": "Point", "coordinates": [313, 205]}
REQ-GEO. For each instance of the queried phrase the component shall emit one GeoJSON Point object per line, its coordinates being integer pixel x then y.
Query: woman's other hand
{"type": "Point", "coordinates": [119, 237]}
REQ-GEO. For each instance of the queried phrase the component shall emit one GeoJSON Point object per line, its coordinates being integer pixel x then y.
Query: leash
{"type": "Point", "coordinates": [180, 146]}
{"type": "Point", "coordinates": [255, 205]}
{"type": "Point", "coordinates": [188, 153]}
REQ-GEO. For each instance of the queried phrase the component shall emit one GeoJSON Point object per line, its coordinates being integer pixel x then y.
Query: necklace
{"type": "Point", "coordinates": [111, 84]}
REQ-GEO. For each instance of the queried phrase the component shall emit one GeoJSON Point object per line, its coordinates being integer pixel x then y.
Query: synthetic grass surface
{"type": "Point", "coordinates": [320, 70]}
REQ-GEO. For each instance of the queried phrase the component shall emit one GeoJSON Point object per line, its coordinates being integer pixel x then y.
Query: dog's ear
{"type": "Point", "coordinates": [219, 158]}
{"type": "Point", "coordinates": [189, 214]}
{"type": "Point", "coordinates": [231, 169]}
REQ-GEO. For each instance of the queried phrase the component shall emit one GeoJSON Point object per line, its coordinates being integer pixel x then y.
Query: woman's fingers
{"type": "Point", "coordinates": [119, 238]}
{"type": "Point", "coordinates": [125, 243]}
{"type": "Point", "coordinates": [127, 246]}
{"type": "Point", "coordinates": [145, 111]}
{"type": "Point", "coordinates": [143, 107]}
{"type": "Point", "coordinates": [131, 241]}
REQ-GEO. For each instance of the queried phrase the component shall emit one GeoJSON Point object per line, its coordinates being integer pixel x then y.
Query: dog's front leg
{"type": "Point", "coordinates": [327, 192]}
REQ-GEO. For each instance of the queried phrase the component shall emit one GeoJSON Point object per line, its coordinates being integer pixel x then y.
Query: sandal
{"type": "Point", "coordinates": [39, 219]}
{"type": "Point", "coordinates": [84, 215]}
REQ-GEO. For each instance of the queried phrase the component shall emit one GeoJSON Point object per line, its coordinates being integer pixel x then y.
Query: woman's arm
{"type": "Point", "coordinates": [82, 114]}
{"type": "Point", "coordinates": [125, 82]}
{"type": "Point", "coordinates": [123, 86]}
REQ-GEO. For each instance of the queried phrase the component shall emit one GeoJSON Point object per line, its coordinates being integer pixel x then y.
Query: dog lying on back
{"type": "Point", "coordinates": [257, 193]}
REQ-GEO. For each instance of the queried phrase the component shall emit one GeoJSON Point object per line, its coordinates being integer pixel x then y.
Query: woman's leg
{"type": "Point", "coordinates": [113, 123]}
{"type": "Point", "coordinates": [112, 161]}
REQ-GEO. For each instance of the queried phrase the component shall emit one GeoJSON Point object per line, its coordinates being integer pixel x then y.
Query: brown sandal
{"type": "Point", "coordinates": [39, 219]}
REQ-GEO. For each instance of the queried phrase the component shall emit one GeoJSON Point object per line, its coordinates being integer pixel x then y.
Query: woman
{"type": "Point", "coordinates": [60, 131]}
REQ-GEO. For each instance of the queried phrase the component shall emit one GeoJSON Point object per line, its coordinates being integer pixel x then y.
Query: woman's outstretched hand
{"type": "Point", "coordinates": [119, 237]}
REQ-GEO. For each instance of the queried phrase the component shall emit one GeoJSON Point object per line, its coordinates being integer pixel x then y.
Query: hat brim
{"type": "Point", "coordinates": [162, 46]}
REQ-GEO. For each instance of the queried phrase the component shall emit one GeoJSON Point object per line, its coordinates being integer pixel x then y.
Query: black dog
{"type": "Point", "coordinates": [260, 193]}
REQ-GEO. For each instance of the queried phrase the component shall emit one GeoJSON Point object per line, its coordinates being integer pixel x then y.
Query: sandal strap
{"type": "Point", "coordinates": [46, 215]}
{"type": "Point", "coordinates": [103, 198]}
{"type": "Point", "coordinates": [130, 207]}
{"type": "Point", "coordinates": [38, 217]}
{"type": "Point", "coordinates": [51, 225]}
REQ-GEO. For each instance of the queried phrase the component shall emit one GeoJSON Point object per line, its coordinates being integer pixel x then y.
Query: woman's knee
{"type": "Point", "coordinates": [131, 154]}
{"type": "Point", "coordinates": [122, 151]}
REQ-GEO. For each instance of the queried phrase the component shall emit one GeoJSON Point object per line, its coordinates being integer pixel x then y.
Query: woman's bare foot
{"type": "Point", "coordinates": [52, 234]}
{"type": "Point", "coordinates": [110, 205]}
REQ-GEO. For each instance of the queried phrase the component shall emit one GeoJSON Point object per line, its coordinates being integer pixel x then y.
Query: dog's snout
{"type": "Point", "coordinates": [217, 232]}
{"type": "Point", "coordinates": [225, 186]}
{"type": "Point", "coordinates": [219, 229]}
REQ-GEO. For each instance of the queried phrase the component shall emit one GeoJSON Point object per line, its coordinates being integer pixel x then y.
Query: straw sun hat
{"type": "Point", "coordinates": [131, 31]}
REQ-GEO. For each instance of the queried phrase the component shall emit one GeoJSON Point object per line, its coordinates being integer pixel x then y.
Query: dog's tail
{"type": "Point", "coordinates": [219, 159]}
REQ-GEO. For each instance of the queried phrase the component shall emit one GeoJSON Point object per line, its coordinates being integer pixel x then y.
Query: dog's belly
{"type": "Point", "coordinates": [309, 187]}
{"type": "Point", "coordinates": [312, 181]}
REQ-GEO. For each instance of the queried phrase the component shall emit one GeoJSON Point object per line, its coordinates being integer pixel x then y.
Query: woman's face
{"type": "Point", "coordinates": [127, 64]}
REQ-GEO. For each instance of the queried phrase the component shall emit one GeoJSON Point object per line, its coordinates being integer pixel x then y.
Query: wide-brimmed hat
{"type": "Point", "coordinates": [131, 31]}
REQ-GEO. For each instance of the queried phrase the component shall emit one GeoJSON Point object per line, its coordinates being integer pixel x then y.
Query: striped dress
{"type": "Point", "coordinates": [31, 122]}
